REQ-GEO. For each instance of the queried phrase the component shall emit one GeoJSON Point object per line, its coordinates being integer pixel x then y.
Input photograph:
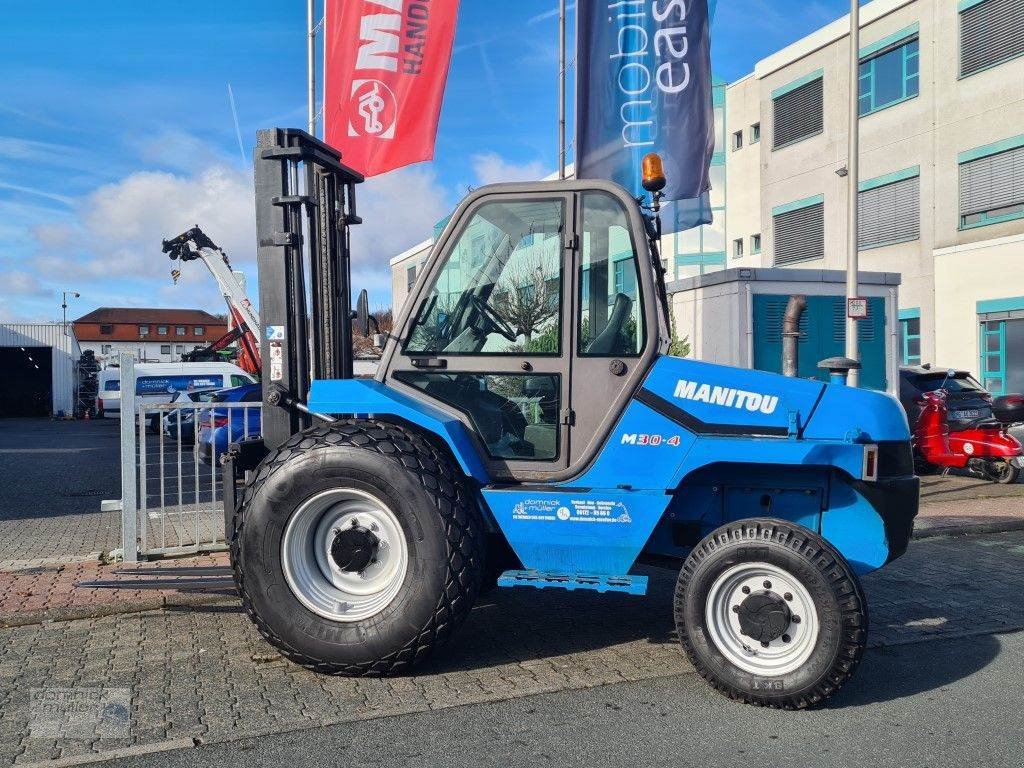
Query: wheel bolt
{"type": "Point", "coordinates": [746, 590]}
{"type": "Point", "coordinates": [767, 585]}
{"type": "Point", "coordinates": [795, 619]}
{"type": "Point", "coordinates": [735, 609]}
{"type": "Point", "coordinates": [788, 596]}
{"type": "Point", "coordinates": [764, 644]}
{"type": "Point", "coordinates": [785, 638]}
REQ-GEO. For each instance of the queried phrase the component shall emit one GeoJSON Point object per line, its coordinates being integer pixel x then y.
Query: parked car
{"type": "Point", "coordinates": [161, 383]}
{"type": "Point", "coordinates": [180, 424]}
{"type": "Point", "coordinates": [224, 425]}
{"type": "Point", "coordinates": [968, 401]}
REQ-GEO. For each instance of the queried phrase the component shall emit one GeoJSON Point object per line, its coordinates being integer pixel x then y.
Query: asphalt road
{"type": "Point", "coordinates": [939, 703]}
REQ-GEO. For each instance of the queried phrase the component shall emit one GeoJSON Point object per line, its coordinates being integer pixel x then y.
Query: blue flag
{"type": "Point", "coordinates": [644, 85]}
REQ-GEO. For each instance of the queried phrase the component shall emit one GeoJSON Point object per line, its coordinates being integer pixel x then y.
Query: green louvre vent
{"type": "Point", "coordinates": [800, 235]}
{"type": "Point", "coordinates": [991, 32]}
{"type": "Point", "coordinates": [992, 184]}
{"type": "Point", "coordinates": [798, 114]}
{"type": "Point", "coordinates": [889, 214]}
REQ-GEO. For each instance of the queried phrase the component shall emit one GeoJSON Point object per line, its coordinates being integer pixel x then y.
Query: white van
{"type": "Point", "coordinates": [161, 383]}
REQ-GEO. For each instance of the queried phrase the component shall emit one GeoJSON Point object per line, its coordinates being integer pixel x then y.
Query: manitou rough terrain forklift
{"type": "Point", "coordinates": [526, 428]}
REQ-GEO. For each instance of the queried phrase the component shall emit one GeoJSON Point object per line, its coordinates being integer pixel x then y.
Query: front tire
{"type": "Point", "coordinates": [358, 548]}
{"type": "Point", "coordinates": [771, 614]}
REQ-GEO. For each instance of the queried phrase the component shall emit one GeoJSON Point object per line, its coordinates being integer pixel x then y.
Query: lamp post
{"type": "Point", "coordinates": [64, 306]}
{"type": "Point", "coordinates": [852, 167]}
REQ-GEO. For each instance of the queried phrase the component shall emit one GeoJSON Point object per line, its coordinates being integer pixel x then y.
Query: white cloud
{"type": "Point", "coordinates": [21, 283]}
{"type": "Point", "coordinates": [491, 168]}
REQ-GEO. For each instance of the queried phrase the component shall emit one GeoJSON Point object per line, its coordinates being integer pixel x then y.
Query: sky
{"type": "Point", "coordinates": [117, 130]}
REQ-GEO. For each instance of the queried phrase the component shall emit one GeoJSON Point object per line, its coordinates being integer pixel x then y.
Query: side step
{"type": "Point", "coordinates": [631, 585]}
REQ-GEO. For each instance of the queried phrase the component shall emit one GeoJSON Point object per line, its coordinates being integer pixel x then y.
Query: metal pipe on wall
{"type": "Point", "coordinates": [791, 335]}
{"type": "Point", "coordinates": [853, 173]}
{"type": "Point", "coordinates": [561, 89]}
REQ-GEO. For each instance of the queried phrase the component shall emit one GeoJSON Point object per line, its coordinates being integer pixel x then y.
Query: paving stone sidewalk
{"type": "Point", "coordinates": [203, 673]}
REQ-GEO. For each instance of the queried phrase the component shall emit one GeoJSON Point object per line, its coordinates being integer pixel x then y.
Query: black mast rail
{"type": "Point", "coordinates": [305, 204]}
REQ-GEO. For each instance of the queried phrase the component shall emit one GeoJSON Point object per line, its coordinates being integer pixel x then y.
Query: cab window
{"type": "Point", "coordinates": [499, 290]}
{"type": "Point", "coordinates": [611, 318]}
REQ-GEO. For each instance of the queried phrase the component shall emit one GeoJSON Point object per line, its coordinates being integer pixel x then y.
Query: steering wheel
{"type": "Point", "coordinates": [494, 322]}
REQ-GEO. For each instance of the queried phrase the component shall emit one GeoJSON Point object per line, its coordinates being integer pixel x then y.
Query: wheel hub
{"type": "Point", "coordinates": [354, 548]}
{"type": "Point", "coordinates": [764, 616]}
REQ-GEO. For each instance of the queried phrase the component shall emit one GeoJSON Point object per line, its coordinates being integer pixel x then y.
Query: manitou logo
{"type": "Point", "coordinates": [727, 396]}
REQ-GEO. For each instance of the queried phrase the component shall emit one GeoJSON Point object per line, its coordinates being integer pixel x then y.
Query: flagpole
{"type": "Point", "coordinates": [561, 89]}
{"type": "Point", "coordinates": [311, 63]}
{"type": "Point", "coordinates": [853, 173]}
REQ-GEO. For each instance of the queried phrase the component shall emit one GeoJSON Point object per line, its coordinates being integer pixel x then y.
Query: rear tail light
{"type": "Point", "coordinates": [216, 422]}
{"type": "Point", "coordinates": [870, 468]}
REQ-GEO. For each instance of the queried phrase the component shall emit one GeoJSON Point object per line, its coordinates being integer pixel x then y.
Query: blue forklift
{"type": "Point", "coordinates": [527, 428]}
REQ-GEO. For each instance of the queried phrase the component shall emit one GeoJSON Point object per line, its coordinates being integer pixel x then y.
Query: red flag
{"type": "Point", "coordinates": [386, 62]}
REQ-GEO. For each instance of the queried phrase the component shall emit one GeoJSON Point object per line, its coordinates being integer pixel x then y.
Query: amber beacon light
{"type": "Point", "coordinates": [653, 173]}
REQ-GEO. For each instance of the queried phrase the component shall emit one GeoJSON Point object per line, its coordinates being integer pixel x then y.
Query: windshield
{"type": "Point", "coordinates": [961, 382]}
{"type": "Point", "coordinates": [499, 290]}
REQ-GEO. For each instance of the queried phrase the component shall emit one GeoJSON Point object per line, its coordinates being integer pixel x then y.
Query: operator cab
{"type": "Point", "coordinates": [538, 298]}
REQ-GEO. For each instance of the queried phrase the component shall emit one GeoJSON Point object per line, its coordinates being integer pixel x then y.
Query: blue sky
{"type": "Point", "coordinates": [116, 130]}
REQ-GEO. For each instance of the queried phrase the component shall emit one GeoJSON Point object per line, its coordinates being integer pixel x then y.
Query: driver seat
{"type": "Point", "coordinates": [609, 341]}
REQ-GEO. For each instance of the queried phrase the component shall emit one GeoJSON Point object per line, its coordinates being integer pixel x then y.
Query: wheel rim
{"type": "Point", "coordinates": [794, 612]}
{"type": "Point", "coordinates": [335, 590]}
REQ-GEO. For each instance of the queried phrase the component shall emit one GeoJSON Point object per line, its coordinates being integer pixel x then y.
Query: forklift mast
{"type": "Point", "coordinates": [305, 204]}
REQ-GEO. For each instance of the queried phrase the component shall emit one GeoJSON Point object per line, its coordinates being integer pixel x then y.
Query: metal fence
{"type": "Point", "coordinates": [171, 469]}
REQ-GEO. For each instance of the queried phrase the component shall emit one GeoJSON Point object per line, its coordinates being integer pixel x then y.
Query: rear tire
{"type": "Point", "coordinates": [765, 579]}
{"type": "Point", "coordinates": [394, 479]}
{"type": "Point", "coordinates": [1002, 471]}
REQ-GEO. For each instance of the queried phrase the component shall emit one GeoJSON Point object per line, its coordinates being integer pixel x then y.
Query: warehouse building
{"type": "Point", "coordinates": [39, 364]}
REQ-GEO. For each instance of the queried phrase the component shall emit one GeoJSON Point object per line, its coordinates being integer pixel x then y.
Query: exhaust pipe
{"type": "Point", "coordinates": [791, 335]}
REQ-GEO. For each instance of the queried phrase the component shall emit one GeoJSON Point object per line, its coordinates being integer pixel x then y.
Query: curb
{"type": "Point", "coordinates": [965, 526]}
{"type": "Point", "coordinates": [78, 612]}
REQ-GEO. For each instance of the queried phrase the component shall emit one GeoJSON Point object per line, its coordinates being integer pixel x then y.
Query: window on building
{"type": "Point", "coordinates": [755, 243]}
{"type": "Point", "coordinates": [890, 213]}
{"type": "Point", "coordinates": [737, 140]}
{"type": "Point", "coordinates": [992, 188]}
{"type": "Point", "coordinates": [105, 349]}
{"type": "Point", "coordinates": [799, 233]}
{"type": "Point", "coordinates": [410, 277]}
{"type": "Point", "coordinates": [143, 330]}
{"type": "Point", "coordinates": [755, 133]}
{"type": "Point", "coordinates": [889, 76]}
{"type": "Point", "coordinates": [165, 349]}
{"type": "Point", "coordinates": [990, 33]}
{"type": "Point", "coordinates": [798, 113]}
{"type": "Point", "coordinates": [179, 330]}
{"type": "Point", "coordinates": [198, 330]}
{"type": "Point", "coordinates": [106, 330]}
{"type": "Point", "coordinates": [179, 349]}
{"type": "Point", "coordinates": [737, 247]}
{"type": "Point", "coordinates": [161, 330]}
{"type": "Point", "coordinates": [910, 339]}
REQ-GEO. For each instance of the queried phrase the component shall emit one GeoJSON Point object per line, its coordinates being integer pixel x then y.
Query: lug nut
{"type": "Point", "coordinates": [746, 590]}
{"type": "Point", "coordinates": [767, 585]}
{"type": "Point", "coordinates": [785, 638]}
{"type": "Point", "coordinates": [764, 644]}
{"type": "Point", "coordinates": [735, 609]}
{"type": "Point", "coordinates": [788, 596]}
{"type": "Point", "coordinates": [795, 619]}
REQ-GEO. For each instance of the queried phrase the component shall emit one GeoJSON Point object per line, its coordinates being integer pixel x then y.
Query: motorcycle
{"type": "Point", "coordinates": [1009, 410]}
{"type": "Point", "coordinates": [982, 446]}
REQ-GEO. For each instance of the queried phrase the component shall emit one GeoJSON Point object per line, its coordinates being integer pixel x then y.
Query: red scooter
{"type": "Point", "coordinates": [984, 447]}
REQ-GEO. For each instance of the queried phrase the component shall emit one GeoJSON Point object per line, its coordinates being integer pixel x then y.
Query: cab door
{"type": "Point", "coordinates": [489, 335]}
{"type": "Point", "coordinates": [615, 319]}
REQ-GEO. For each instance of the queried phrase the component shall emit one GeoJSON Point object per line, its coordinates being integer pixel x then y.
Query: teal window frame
{"type": "Point", "coordinates": [906, 337]}
{"type": "Point", "coordinates": [910, 61]}
{"type": "Point", "coordinates": [987, 218]}
{"type": "Point", "coordinates": [755, 244]}
{"type": "Point", "coordinates": [962, 6]}
{"type": "Point", "coordinates": [755, 133]}
{"type": "Point", "coordinates": [999, 355]}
